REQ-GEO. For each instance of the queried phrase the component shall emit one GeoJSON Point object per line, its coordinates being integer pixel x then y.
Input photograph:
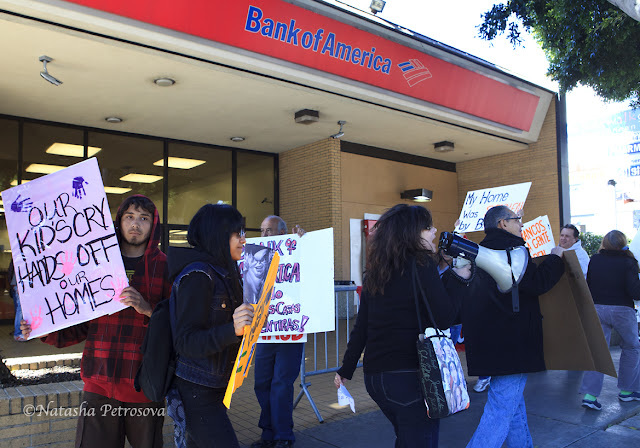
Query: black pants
{"type": "Point", "coordinates": [398, 395]}
{"type": "Point", "coordinates": [205, 416]}
{"type": "Point", "coordinates": [105, 422]}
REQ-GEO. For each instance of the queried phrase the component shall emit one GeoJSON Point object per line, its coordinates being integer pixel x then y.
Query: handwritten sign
{"type": "Point", "coordinates": [303, 299]}
{"type": "Point", "coordinates": [538, 236]}
{"type": "Point", "coordinates": [64, 247]}
{"type": "Point", "coordinates": [478, 202]}
{"type": "Point", "coordinates": [252, 333]}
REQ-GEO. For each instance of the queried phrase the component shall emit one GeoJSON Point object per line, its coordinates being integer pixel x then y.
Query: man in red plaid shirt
{"type": "Point", "coordinates": [111, 408]}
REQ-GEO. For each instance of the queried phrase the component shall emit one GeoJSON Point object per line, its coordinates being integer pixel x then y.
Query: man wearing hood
{"type": "Point", "coordinates": [503, 334]}
{"type": "Point", "coordinates": [111, 409]}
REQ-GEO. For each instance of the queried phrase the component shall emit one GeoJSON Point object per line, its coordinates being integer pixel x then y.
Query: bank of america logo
{"type": "Point", "coordinates": [414, 71]}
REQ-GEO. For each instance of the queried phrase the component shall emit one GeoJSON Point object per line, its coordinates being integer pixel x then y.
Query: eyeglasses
{"type": "Point", "coordinates": [242, 233]}
{"type": "Point", "coordinates": [518, 218]}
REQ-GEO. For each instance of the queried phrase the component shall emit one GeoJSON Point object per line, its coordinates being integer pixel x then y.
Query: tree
{"type": "Point", "coordinates": [588, 42]}
{"type": "Point", "coordinates": [591, 242]}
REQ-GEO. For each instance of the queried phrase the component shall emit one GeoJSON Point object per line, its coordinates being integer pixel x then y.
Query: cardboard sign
{"type": "Point", "coordinates": [64, 247]}
{"type": "Point", "coordinates": [303, 300]}
{"type": "Point", "coordinates": [252, 333]}
{"type": "Point", "coordinates": [538, 236]}
{"type": "Point", "coordinates": [573, 337]}
{"type": "Point", "coordinates": [478, 202]}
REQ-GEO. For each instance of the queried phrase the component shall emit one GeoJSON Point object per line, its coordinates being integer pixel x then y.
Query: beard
{"type": "Point", "coordinates": [136, 241]}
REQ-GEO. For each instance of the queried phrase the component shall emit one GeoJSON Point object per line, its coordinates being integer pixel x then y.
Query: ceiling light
{"type": "Point", "coordinates": [418, 195]}
{"type": "Point", "coordinates": [179, 162]}
{"type": "Point", "coordinates": [14, 182]}
{"type": "Point", "coordinates": [113, 120]}
{"type": "Point", "coordinates": [67, 149]}
{"type": "Point", "coordinates": [43, 169]}
{"type": "Point", "coordinates": [116, 190]}
{"type": "Point", "coordinates": [140, 178]}
{"type": "Point", "coordinates": [45, 73]}
{"type": "Point", "coordinates": [340, 132]}
{"type": "Point", "coordinates": [164, 82]}
{"type": "Point", "coordinates": [443, 146]}
{"type": "Point", "coordinates": [306, 116]}
{"type": "Point", "coordinates": [237, 139]}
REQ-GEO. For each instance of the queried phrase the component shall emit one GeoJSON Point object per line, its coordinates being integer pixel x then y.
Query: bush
{"type": "Point", "coordinates": [590, 242]}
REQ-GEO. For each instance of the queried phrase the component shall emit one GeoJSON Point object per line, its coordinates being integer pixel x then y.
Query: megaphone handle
{"type": "Point", "coordinates": [515, 296]}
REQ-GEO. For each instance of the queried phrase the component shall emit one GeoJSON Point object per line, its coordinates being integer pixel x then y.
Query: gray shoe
{"type": "Point", "coordinates": [482, 384]}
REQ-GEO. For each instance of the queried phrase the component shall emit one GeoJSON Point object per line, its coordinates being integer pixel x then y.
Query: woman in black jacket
{"type": "Point", "coordinates": [208, 320]}
{"type": "Point", "coordinates": [614, 285]}
{"type": "Point", "coordinates": [387, 323]}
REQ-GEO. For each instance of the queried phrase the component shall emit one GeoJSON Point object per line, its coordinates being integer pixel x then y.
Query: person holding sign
{"type": "Point", "coordinates": [112, 354]}
{"type": "Point", "coordinates": [614, 285]}
{"type": "Point", "coordinates": [503, 334]}
{"type": "Point", "coordinates": [277, 367]}
{"type": "Point", "coordinates": [570, 240]}
{"type": "Point", "coordinates": [387, 323]}
{"type": "Point", "coordinates": [209, 322]}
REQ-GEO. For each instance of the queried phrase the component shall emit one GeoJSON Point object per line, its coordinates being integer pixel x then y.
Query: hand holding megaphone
{"type": "Point", "coordinates": [507, 267]}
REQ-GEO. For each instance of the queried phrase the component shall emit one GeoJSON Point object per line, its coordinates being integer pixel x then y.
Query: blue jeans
{"type": "Point", "coordinates": [398, 395]}
{"type": "Point", "coordinates": [18, 308]}
{"type": "Point", "coordinates": [623, 319]}
{"type": "Point", "coordinates": [504, 417]}
{"type": "Point", "coordinates": [277, 367]}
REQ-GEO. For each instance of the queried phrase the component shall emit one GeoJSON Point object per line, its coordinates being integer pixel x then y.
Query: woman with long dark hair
{"type": "Point", "coordinates": [387, 323]}
{"type": "Point", "coordinates": [208, 320]}
{"type": "Point", "coordinates": [614, 285]}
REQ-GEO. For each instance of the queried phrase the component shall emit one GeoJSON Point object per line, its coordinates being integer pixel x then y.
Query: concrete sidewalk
{"type": "Point", "coordinates": [556, 419]}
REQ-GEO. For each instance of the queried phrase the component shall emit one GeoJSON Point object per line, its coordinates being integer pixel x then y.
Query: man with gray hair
{"type": "Point", "coordinates": [503, 339]}
{"type": "Point", "coordinates": [277, 365]}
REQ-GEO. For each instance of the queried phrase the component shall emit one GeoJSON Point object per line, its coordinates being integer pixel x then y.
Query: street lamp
{"type": "Point", "coordinates": [613, 183]}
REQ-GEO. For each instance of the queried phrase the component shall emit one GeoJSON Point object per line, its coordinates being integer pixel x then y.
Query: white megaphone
{"type": "Point", "coordinates": [507, 267]}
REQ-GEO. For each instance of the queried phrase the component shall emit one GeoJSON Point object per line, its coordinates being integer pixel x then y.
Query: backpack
{"type": "Point", "coordinates": [156, 372]}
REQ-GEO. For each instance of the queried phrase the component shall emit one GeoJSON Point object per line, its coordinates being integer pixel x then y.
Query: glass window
{"type": "Point", "coordinates": [8, 173]}
{"type": "Point", "coordinates": [47, 149]}
{"type": "Point", "coordinates": [197, 175]}
{"type": "Point", "coordinates": [129, 165]}
{"type": "Point", "coordinates": [256, 190]}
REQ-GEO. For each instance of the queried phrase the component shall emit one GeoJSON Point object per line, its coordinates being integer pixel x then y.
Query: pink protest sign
{"type": "Point", "coordinates": [64, 247]}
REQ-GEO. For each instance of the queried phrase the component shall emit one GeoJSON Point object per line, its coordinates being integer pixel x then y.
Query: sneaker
{"type": "Point", "coordinates": [482, 384]}
{"type": "Point", "coordinates": [629, 397]}
{"type": "Point", "coordinates": [262, 444]}
{"type": "Point", "coordinates": [592, 404]}
{"type": "Point", "coordinates": [283, 443]}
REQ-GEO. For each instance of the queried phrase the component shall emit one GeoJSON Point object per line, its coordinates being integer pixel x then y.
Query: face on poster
{"type": "Point", "coordinates": [538, 236]}
{"type": "Point", "coordinates": [303, 297]}
{"type": "Point", "coordinates": [65, 251]}
{"type": "Point", "coordinates": [478, 202]}
{"type": "Point", "coordinates": [256, 262]}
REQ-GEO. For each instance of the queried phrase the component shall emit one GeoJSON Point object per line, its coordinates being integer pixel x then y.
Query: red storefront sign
{"type": "Point", "coordinates": [285, 31]}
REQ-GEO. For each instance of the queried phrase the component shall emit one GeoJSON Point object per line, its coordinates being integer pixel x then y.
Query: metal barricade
{"type": "Point", "coordinates": [304, 374]}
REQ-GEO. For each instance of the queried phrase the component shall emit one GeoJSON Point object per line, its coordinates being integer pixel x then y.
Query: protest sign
{"type": "Point", "coordinates": [252, 332]}
{"type": "Point", "coordinates": [538, 236]}
{"type": "Point", "coordinates": [64, 247]}
{"type": "Point", "coordinates": [303, 299]}
{"type": "Point", "coordinates": [572, 334]}
{"type": "Point", "coordinates": [478, 202]}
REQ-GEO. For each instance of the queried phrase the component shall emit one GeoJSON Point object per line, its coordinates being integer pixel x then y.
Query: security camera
{"type": "Point", "coordinates": [45, 74]}
{"type": "Point", "coordinates": [340, 132]}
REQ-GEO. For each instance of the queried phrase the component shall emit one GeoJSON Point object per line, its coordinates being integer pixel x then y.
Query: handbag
{"type": "Point", "coordinates": [442, 380]}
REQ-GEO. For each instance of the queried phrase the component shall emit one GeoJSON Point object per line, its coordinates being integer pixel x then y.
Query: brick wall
{"type": "Point", "coordinates": [46, 416]}
{"type": "Point", "coordinates": [538, 164]}
{"type": "Point", "coordinates": [310, 190]}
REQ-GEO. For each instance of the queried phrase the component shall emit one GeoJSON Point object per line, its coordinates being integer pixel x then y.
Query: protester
{"type": "Point", "coordinates": [112, 356]}
{"type": "Point", "coordinates": [503, 342]}
{"type": "Point", "coordinates": [614, 285]}
{"type": "Point", "coordinates": [13, 291]}
{"type": "Point", "coordinates": [570, 240]}
{"type": "Point", "coordinates": [277, 367]}
{"type": "Point", "coordinates": [387, 323]}
{"type": "Point", "coordinates": [209, 320]}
